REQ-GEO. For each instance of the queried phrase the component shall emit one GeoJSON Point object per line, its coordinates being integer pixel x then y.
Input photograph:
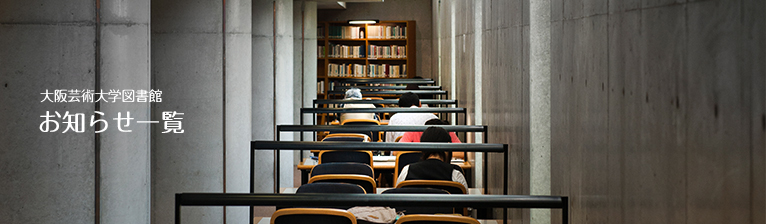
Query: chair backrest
{"type": "Point", "coordinates": [434, 219]}
{"type": "Point", "coordinates": [364, 181]}
{"type": "Point", "coordinates": [420, 209]}
{"type": "Point", "coordinates": [346, 137]}
{"type": "Point", "coordinates": [333, 156]}
{"type": "Point", "coordinates": [404, 158]}
{"type": "Point", "coordinates": [450, 186]}
{"type": "Point", "coordinates": [342, 168]}
{"type": "Point", "coordinates": [312, 215]}
{"type": "Point", "coordinates": [360, 122]}
{"type": "Point", "coordinates": [375, 135]}
{"type": "Point", "coordinates": [333, 188]}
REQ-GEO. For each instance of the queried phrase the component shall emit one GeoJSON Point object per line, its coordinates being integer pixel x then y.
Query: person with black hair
{"type": "Point", "coordinates": [414, 136]}
{"type": "Point", "coordinates": [407, 100]}
{"type": "Point", "coordinates": [433, 165]}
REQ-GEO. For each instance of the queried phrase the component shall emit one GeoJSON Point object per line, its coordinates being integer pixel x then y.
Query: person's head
{"type": "Point", "coordinates": [436, 135]}
{"type": "Point", "coordinates": [353, 94]}
{"type": "Point", "coordinates": [436, 121]}
{"type": "Point", "coordinates": [409, 99]}
{"type": "Point", "coordinates": [412, 87]}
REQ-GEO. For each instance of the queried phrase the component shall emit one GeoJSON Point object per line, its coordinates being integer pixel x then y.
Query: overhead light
{"type": "Point", "coordinates": [363, 21]}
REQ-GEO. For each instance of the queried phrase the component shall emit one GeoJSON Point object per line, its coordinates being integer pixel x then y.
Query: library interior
{"type": "Point", "coordinates": [383, 111]}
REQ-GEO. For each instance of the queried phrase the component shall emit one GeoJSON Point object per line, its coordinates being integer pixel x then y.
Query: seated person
{"type": "Point", "coordinates": [414, 136]}
{"type": "Point", "coordinates": [407, 100]}
{"type": "Point", "coordinates": [356, 94]}
{"type": "Point", "coordinates": [432, 165]}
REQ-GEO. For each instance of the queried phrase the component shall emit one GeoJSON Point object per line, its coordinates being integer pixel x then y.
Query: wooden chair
{"type": "Point", "coordinates": [365, 181]}
{"type": "Point", "coordinates": [420, 209]}
{"type": "Point", "coordinates": [342, 168]}
{"type": "Point", "coordinates": [358, 156]}
{"type": "Point", "coordinates": [332, 188]}
{"type": "Point", "coordinates": [376, 136]}
{"type": "Point", "coordinates": [441, 219]}
{"type": "Point", "coordinates": [346, 137]}
{"type": "Point", "coordinates": [312, 215]}
{"type": "Point", "coordinates": [404, 158]}
{"type": "Point", "coordinates": [450, 186]}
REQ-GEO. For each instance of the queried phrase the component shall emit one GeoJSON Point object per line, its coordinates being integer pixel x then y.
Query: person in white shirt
{"type": "Point", "coordinates": [407, 100]}
{"type": "Point", "coordinates": [356, 94]}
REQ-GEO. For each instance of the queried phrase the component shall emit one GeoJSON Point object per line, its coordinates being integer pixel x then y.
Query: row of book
{"type": "Point", "coordinates": [386, 32]}
{"type": "Point", "coordinates": [320, 32]}
{"type": "Point", "coordinates": [344, 51]}
{"type": "Point", "coordinates": [346, 70]}
{"type": "Point", "coordinates": [346, 32]}
{"type": "Point", "coordinates": [393, 51]}
{"type": "Point", "coordinates": [387, 71]}
{"type": "Point", "coordinates": [320, 87]}
{"type": "Point", "coordinates": [367, 71]}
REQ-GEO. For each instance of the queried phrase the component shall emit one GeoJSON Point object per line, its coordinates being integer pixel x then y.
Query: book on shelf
{"type": "Point", "coordinates": [346, 32]}
{"type": "Point", "coordinates": [321, 51]}
{"type": "Point", "coordinates": [392, 51]}
{"type": "Point", "coordinates": [346, 70]}
{"type": "Point", "coordinates": [345, 51]}
{"type": "Point", "coordinates": [320, 87]}
{"type": "Point", "coordinates": [386, 32]}
{"type": "Point", "coordinates": [387, 71]}
{"type": "Point", "coordinates": [320, 32]}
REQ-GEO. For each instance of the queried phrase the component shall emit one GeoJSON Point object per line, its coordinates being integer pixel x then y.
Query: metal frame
{"type": "Point", "coordinates": [385, 87]}
{"type": "Point", "coordinates": [392, 92]}
{"type": "Point", "coordinates": [359, 128]}
{"type": "Point", "coordinates": [441, 110]}
{"type": "Point", "coordinates": [474, 201]}
{"type": "Point", "coordinates": [385, 101]}
{"type": "Point", "coordinates": [395, 146]}
{"type": "Point", "coordinates": [386, 81]}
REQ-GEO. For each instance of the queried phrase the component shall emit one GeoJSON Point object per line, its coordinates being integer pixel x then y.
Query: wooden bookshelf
{"type": "Point", "coordinates": [358, 36]}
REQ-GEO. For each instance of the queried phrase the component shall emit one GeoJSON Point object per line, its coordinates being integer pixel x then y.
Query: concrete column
{"type": "Point", "coordinates": [47, 177]}
{"type": "Point", "coordinates": [305, 36]}
{"type": "Point", "coordinates": [263, 91]}
{"type": "Point", "coordinates": [55, 177]}
{"type": "Point", "coordinates": [272, 79]}
{"type": "Point", "coordinates": [238, 73]}
{"type": "Point", "coordinates": [283, 80]}
{"type": "Point", "coordinates": [478, 114]}
{"type": "Point", "coordinates": [125, 156]}
{"type": "Point", "coordinates": [540, 105]}
{"type": "Point", "coordinates": [187, 54]}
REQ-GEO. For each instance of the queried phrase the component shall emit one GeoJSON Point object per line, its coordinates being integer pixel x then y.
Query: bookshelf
{"type": "Point", "coordinates": [383, 50]}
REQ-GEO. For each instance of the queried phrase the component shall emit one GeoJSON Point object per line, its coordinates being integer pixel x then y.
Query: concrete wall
{"type": "Point", "coordinates": [417, 10]}
{"type": "Point", "coordinates": [201, 54]}
{"type": "Point", "coordinates": [502, 63]}
{"type": "Point", "coordinates": [72, 177]}
{"type": "Point", "coordinates": [49, 177]}
{"type": "Point", "coordinates": [657, 107]}
{"type": "Point", "coordinates": [273, 87]}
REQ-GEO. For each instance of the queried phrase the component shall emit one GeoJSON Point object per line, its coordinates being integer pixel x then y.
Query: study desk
{"type": "Point", "coordinates": [379, 165]}
{"type": "Point", "coordinates": [267, 220]}
{"type": "Point", "coordinates": [292, 190]}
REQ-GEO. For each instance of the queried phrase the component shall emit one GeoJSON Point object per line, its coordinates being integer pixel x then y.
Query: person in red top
{"type": "Point", "coordinates": [415, 137]}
